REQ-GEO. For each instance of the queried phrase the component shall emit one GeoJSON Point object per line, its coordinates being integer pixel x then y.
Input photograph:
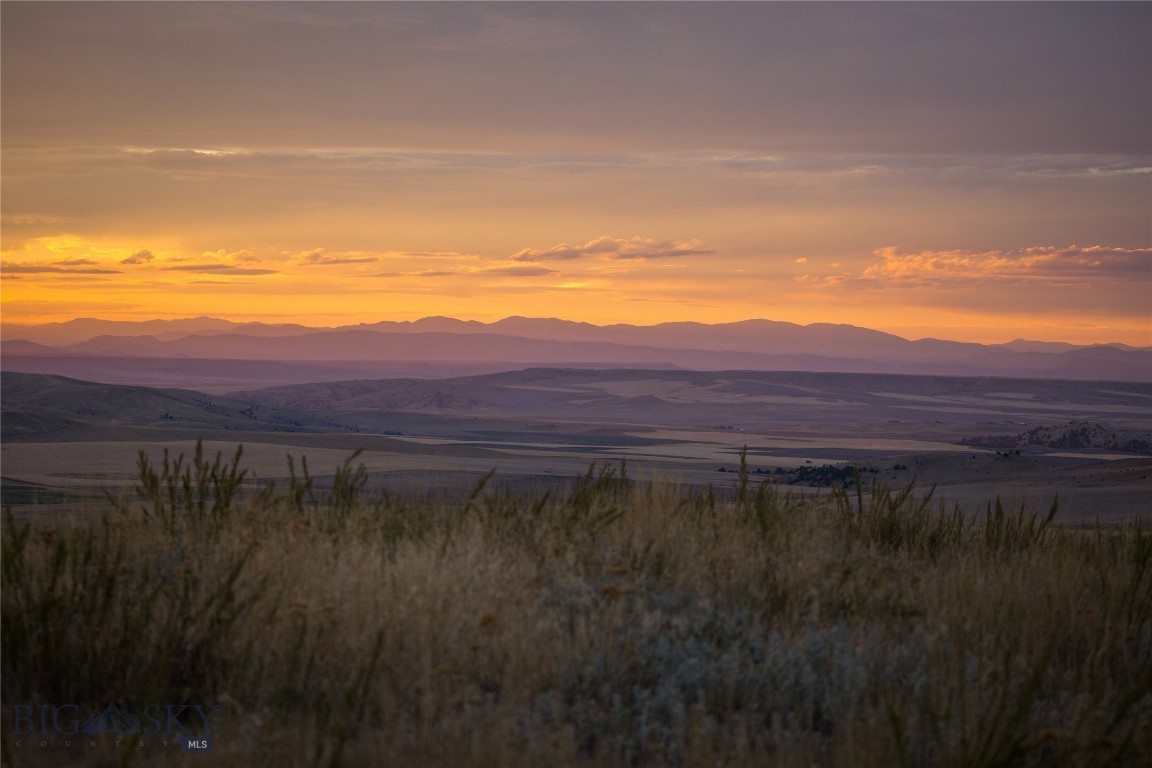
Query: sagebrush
{"type": "Point", "coordinates": [617, 623]}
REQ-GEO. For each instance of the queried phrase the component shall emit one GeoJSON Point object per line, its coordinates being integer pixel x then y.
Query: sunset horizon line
{"type": "Point", "coordinates": [927, 170]}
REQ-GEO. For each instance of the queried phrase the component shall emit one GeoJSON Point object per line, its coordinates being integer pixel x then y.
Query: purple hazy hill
{"type": "Point", "coordinates": [516, 342]}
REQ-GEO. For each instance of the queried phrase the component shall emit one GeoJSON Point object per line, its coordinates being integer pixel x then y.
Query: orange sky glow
{"type": "Point", "coordinates": [918, 168]}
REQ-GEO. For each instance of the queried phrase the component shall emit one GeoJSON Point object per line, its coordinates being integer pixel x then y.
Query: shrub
{"type": "Point", "coordinates": [617, 623]}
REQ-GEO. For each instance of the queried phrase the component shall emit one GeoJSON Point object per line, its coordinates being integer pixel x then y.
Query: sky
{"type": "Point", "coordinates": [970, 171]}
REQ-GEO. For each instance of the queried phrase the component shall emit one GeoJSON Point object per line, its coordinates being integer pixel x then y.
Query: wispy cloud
{"type": "Point", "coordinates": [76, 263]}
{"type": "Point", "coordinates": [518, 271]}
{"type": "Point", "coordinates": [507, 32]}
{"type": "Point", "coordinates": [235, 257]}
{"type": "Point", "coordinates": [1042, 262]}
{"type": "Point", "coordinates": [1034, 265]}
{"type": "Point", "coordinates": [318, 257]}
{"type": "Point", "coordinates": [434, 255]}
{"type": "Point", "coordinates": [515, 270]}
{"type": "Point", "coordinates": [25, 220]}
{"type": "Point", "coordinates": [220, 269]}
{"type": "Point", "coordinates": [615, 248]}
{"type": "Point", "coordinates": [140, 257]}
{"type": "Point", "coordinates": [35, 269]}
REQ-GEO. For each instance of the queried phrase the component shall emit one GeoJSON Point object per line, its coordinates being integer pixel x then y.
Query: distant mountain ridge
{"type": "Point", "coordinates": [749, 344]}
{"type": "Point", "coordinates": [82, 329]}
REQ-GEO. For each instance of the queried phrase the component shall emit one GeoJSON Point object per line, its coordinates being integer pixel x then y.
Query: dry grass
{"type": "Point", "coordinates": [615, 624]}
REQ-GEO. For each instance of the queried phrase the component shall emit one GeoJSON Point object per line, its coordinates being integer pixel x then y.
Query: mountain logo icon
{"type": "Point", "coordinates": [111, 719]}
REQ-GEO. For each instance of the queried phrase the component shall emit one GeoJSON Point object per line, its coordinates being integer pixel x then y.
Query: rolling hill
{"type": "Point", "coordinates": [37, 404]}
{"type": "Point", "coordinates": [714, 398]}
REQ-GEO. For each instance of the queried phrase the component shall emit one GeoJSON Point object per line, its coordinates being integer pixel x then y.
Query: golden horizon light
{"type": "Point", "coordinates": [913, 168]}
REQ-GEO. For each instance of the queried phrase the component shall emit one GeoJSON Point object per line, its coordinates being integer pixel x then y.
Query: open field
{"type": "Point", "coordinates": [758, 569]}
{"type": "Point", "coordinates": [1089, 488]}
{"type": "Point", "coordinates": [67, 443]}
{"type": "Point", "coordinates": [607, 622]}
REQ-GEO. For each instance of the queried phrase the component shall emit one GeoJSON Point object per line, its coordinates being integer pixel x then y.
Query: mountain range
{"type": "Point", "coordinates": [517, 342]}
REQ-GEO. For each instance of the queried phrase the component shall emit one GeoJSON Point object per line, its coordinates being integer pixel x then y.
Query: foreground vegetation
{"type": "Point", "coordinates": [618, 623]}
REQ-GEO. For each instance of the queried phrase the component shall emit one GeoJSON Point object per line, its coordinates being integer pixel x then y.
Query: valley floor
{"type": "Point", "coordinates": [1100, 486]}
{"type": "Point", "coordinates": [67, 443]}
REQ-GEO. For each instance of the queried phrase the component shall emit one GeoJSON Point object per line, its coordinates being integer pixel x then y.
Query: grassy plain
{"type": "Point", "coordinates": [606, 622]}
{"type": "Point", "coordinates": [466, 592]}
{"type": "Point", "coordinates": [449, 453]}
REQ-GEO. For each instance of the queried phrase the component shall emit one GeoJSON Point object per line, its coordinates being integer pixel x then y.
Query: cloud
{"type": "Point", "coordinates": [615, 248]}
{"type": "Point", "coordinates": [25, 220]}
{"type": "Point", "coordinates": [1033, 266]}
{"type": "Point", "coordinates": [140, 257]}
{"type": "Point", "coordinates": [317, 257]}
{"type": "Point", "coordinates": [424, 273]}
{"type": "Point", "coordinates": [220, 269]}
{"type": "Point", "coordinates": [516, 270]}
{"type": "Point", "coordinates": [248, 271]}
{"type": "Point", "coordinates": [30, 310]}
{"type": "Point", "coordinates": [506, 32]}
{"type": "Point", "coordinates": [800, 260]}
{"type": "Point", "coordinates": [36, 269]}
{"type": "Point", "coordinates": [435, 254]}
{"type": "Point", "coordinates": [240, 257]}
{"type": "Point", "coordinates": [1035, 263]}
{"type": "Point", "coordinates": [520, 271]}
{"type": "Point", "coordinates": [76, 263]}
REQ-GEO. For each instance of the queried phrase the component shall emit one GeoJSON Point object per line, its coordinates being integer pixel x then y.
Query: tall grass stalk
{"type": "Point", "coordinates": [614, 623]}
